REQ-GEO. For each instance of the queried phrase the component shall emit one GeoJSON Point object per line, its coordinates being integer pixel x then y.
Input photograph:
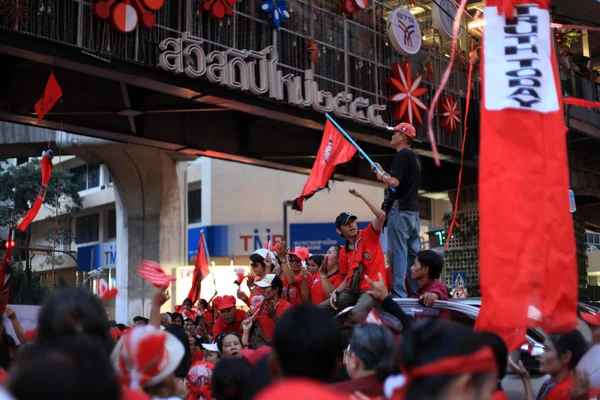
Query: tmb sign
{"type": "Point", "coordinates": [256, 72]}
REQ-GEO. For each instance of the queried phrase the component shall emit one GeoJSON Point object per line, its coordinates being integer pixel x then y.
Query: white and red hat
{"type": "Point", "coordinates": [404, 128]}
{"type": "Point", "coordinates": [146, 356]}
{"type": "Point", "coordinates": [264, 253]}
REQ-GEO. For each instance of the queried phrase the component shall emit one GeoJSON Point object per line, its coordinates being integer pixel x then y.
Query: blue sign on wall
{"type": "Point", "coordinates": [459, 280]}
{"type": "Point", "coordinates": [102, 255]}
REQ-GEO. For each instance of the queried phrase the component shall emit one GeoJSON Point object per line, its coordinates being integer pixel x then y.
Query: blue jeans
{"type": "Point", "coordinates": [403, 245]}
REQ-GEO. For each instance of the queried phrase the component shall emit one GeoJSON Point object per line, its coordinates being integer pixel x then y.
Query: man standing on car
{"type": "Point", "coordinates": [402, 208]}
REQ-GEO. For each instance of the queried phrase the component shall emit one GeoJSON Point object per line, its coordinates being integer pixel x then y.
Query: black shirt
{"type": "Point", "coordinates": [407, 169]}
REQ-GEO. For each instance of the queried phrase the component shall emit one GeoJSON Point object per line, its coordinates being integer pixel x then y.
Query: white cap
{"type": "Point", "coordinates": [264, 253]}
{"type": "Point", "coordinates": [210, 347]}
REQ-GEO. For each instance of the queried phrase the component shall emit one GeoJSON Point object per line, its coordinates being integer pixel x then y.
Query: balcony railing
{"type": "Point", "coordinates": [355, 55]}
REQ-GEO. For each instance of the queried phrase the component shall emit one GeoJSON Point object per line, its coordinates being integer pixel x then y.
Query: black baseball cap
{"type": "Point", "coordinates": [343, 219]}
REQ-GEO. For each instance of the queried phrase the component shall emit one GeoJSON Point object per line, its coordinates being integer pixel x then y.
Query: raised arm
{"type": "Point", "coordinates": [375, 209]}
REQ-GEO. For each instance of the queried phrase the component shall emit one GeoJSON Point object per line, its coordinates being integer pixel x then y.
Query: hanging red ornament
{"type": "Point", "coordinates": [449, 113]}
{"type": "Point", "coordinates": [412, 2]}
{"type": "Point", "coordinates": [218, 8]}
{"type": "Point", "coordinates": [313, 50]}
{"type": "Point", "coordinates": [349, 7]}
{"type": "Point", "coordinates": [125, 14]}
{"type": "Point", "coordinates": [408, 93]}
{"type": "Point", "coordinates": [429, 74]}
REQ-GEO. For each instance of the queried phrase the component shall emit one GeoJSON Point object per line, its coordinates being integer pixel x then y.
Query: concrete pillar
{"type": "Point", "coordinates": [151, 210]}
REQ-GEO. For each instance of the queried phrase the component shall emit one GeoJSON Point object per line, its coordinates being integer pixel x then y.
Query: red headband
{"type": "Point", "coordinates": [481, 361]}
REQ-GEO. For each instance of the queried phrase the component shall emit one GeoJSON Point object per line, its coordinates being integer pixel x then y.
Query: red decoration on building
{"type": "Point", "coordinates": [218, 8]}
{"type": "Point", "coordinates": [125, 14]}
{"type": "Point", "coordinates": [450, 113]}
{"type": "Point", "coordinates": [408, 93]}
{"type": "Point", "coordinates": [349, 7]}
{"type": "Point", "coordinates": [429, 74]}
{"type": "Point", "coordinates": [313, 50]}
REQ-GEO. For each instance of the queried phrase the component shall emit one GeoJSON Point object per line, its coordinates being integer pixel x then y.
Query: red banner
{"type": "Point", "coordinates": [5, 272]}
{"type": "Point", "coordinates": [201, 270]}
{"type": "Point", "coordinates": [51, 95]}
{"type": "Point", "coordinates": [527, 262]}
{"type": "Point", "coordinates": [334, 150]}
{"type": "Point", "coordinates": [46, 166]}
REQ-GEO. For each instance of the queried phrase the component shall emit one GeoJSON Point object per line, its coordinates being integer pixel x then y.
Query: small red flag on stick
{"type": "Point", "coordinates": [201, 270]}
{"type": "Point", "coordinates": [51, 95]}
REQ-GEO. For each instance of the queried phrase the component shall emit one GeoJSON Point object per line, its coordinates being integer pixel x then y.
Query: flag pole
{"type": "Point", "coordinates": [353, 143]}
{"type": "Point", "coordinates": [203, 238]}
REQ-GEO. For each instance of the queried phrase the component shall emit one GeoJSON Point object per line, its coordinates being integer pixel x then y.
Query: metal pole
{"type": "Point", "coordinates": [285, 221]}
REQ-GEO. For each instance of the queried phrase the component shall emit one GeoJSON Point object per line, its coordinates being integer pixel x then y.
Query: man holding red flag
{"type": "Point", "coordinates": [527, 245]}
{"type": "Point", "coordinates": [334, 150]}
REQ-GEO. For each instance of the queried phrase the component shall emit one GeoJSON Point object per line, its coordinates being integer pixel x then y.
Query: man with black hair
{"type": "Point", "coordinates": [361, 256]}
{"type": "Point", "coordinates": [402, 208]}
{"type": "Point", "coordinates": [426, 271]}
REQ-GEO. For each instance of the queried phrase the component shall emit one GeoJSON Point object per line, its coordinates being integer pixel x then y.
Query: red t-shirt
{"type": "Point", "coordinates": [292, 293]}
{"type": "Point", "coordinates": [437, 287]}
{"type": "Point", "coordinates": [367, 251]}
{"type": "Point", "coordinates": [266, 323]}
{"type": "Point", "coordinates": [221, 327]}
{"type": "Point", "coordinates": [500, 395]}
{"type": "Point", "coordinates": [317, 293]}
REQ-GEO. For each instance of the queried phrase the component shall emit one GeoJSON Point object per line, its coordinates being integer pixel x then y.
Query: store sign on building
{"type": "Point", "coordinates": [404, 32]}
{"type": "Point", "coordinates": [102, 255]}
{"type": "Point", "coordinates": [256, 72]}
{"type": "Point", "coordinates": [236, 240]}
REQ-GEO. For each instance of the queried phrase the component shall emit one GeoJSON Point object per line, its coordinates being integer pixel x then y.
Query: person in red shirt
{"type": "Point", "coordinates": [362, 248]}
{"type": "Point", "coordinates": [328, 278]}
{"type": "Point", "coordinates": [230, 319]}
{"type": "Point", "coordinates": [261, 261]}
{"type": "Point", "coordinates": [273, 306]}
{"type": "Point", "coordinates": [426, 271]}
{"type": "Point", "coordinates": [294, 276]}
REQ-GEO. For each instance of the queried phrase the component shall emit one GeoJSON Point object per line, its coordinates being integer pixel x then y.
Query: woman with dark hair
{"type": "Point", "coordinates": [188, 312]}
{"type": "Point", "coordinates": [442, 360]}
{"type": "Point", "coordinates": [314, 263]}
{"type": "Point", "coordinates": [230, 379]}
{"type": "Point", "coordinates": [562, 353]}
{"type": "Point", "coordinates": [74, 311]}
{"type": "Point", "coordinates": [501, 354]}
{"type": "Point", "coordinates": [328, 278]}
{"type": "Point", "coordinates": [261, 261]}
{"type": "Point", "coordinates": [177, 319]}
{"type": "Point", "coordinates": [369, 360]}
{"type": "Point", "coordinates": [230, 345]}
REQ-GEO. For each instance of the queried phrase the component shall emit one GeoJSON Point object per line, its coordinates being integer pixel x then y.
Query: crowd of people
{"type": "Point", "coordinates": [290, 339]}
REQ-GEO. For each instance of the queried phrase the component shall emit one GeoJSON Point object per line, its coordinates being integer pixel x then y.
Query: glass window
{"type": "Point", "coordinates": [112, 224]}
{"type": "Point", "coordinates": [194, 206]}
{"type": "Point", "coordinates": [86, 176]}
{"type": "Point", "coordinates": [87, 228]}
{"type": "Point", "coordinates": [93, 177]}
{"type": "Point", "coordinates": [80, 177]}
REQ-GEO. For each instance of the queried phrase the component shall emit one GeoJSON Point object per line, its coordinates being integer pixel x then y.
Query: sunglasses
{"type": "Point", "coordinates": [255, 265]}
{"type": "Point", "coordinates": [295, 259]}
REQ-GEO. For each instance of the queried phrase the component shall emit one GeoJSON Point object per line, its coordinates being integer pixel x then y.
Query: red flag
{"type": "Point", "coordinates": [201, 270]}
{"type": "Point", "coordinates": [527, 262]}
{"type": "Point", "coordinates": [5, 272]}
{"type": "Point", "coordinates": [153, 273]}
{"type": "Point", "coordinates": [51, 95]}
{"type": "Point", "coordinates": [334, 150]}
{"type": "Point", "coordinates": [46, 167]}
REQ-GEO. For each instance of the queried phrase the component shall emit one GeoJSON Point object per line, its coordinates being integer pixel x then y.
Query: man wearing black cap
{"type": "Point", "coordinates": [361, 255]}
{"type": "Point", "coordinates": [402, 208]}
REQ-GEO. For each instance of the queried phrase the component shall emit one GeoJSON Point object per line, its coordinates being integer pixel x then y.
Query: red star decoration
{"type": "Point", "coordinates": [408, 93]}
{"type": "Point", "coordinates": [450, 113]}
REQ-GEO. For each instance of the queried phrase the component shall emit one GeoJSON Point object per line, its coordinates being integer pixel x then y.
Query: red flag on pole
{"type": "Point", "coordinates": [46, 166]}
{"type": "Point", "coordinates": [334, 150]}
{"type": "Point", "coordinates": [5, 272]}
{"type": "Point", "coordinates": [201, 270]}
{"type": "Point", "coordinates": [51, 95]}
{"type": "Point", "coordinates": [527, 261]}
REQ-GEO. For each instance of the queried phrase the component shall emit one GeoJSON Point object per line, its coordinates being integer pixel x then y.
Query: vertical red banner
{"type": "Point", "coordinates": [528, 268]}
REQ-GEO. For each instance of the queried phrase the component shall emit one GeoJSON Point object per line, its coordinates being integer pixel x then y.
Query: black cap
{"type": "Point", "coordinates": [139, 318]}
{"type": "Point", "coordinates": [343, 219]}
